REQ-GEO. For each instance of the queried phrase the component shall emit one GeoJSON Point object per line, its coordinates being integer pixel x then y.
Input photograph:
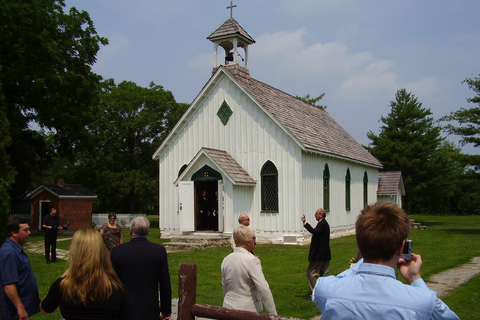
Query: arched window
{"type": "Point", "coordinates": [326, 188]}
{"type": "Point", "coordinates": [269, 176]}
{"type": "Point", "coordinates": [347, 191]}
{"type": "Point", "coordinates": [365, 189]}
{"type": "Point", "coordinates": [182, 169]}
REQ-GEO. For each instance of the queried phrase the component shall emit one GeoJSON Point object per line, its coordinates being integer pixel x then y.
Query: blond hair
{"type": "Point", "coordinates": [91, 276]}
{"type": "Point", "coordinates": [242, 234]}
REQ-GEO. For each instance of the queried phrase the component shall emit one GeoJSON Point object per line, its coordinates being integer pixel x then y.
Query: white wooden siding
{"type": "Point", "coordinates": [251, 137]}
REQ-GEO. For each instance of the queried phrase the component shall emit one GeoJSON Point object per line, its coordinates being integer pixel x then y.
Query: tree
{"type": "Point", "coordinates": [117, 162]}
{"type": "Point", "coordinates": [45, 73]}
{"type": "Point", "coordinates": [7, 172]}
{"type": "Point", "coordinates": [410, 142]}
{"type": "Point", "coordinates": [313, 101]}
{"type": "Point", "coordinates": [469, 122]}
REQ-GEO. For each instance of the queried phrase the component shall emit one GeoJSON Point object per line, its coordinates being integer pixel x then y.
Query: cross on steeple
{"type": "Point", "coordinates": [231, 8]}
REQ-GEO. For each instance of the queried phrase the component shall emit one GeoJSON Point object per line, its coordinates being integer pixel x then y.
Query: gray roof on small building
{"type": "Point", "coordinates": [389, 182]}
{"type": "Point", "coordinates": [313, 127]}
{"type": "Point", "coordinates": [63, 191]}
{"type": "Point", "coordinates": [228, 28]}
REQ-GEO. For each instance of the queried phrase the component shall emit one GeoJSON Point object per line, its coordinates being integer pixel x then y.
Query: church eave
{"type": "Point", "coordinates": [330, 155]}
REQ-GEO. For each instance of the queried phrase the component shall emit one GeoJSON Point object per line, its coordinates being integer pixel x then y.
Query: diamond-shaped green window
{"type": "Point", "coordinates": [224, 112]}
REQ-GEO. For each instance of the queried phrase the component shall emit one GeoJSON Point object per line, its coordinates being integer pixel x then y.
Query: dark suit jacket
{"type": "Point", "coordinates": [141, 266]}
{"type": "Point", "coordinates": [320, 246]}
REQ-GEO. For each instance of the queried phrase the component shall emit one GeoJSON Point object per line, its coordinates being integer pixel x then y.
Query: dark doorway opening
{"type": "Point", "coordinates": [206, 198]}
{"type": "Point", "coordinates": [44, 210]}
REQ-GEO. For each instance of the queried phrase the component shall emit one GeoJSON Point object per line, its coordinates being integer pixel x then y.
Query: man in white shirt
{"type": "Point", "coordinates": [243, 283]}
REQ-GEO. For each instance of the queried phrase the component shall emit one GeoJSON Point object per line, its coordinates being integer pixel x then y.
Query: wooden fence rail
{"type": "Point", "coordinates": [188, 309]}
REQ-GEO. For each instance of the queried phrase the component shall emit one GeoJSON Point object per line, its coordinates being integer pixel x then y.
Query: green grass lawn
{"type": "Point", "coordinates": [447, 242]}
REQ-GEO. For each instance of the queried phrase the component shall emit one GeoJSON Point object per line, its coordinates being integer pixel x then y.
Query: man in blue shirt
{"type": "Point", "coordinates": [18, 286]}
{"type": "Point", "coordinates": [370, 290]}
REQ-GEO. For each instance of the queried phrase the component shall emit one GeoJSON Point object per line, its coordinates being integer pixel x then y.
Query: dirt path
{"type": "Point", "coordinates": [448, 280]}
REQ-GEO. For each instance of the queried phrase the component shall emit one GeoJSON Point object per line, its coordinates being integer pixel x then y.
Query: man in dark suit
{"type": "Point", "coordinates": [319, 255]}
{"type": "Point", "coordinates": [142, 266]}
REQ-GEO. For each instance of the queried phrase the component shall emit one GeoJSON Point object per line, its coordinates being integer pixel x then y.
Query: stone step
{"type": "Point", "coordinates": [196, 241]}
{"type": "Point", "coordinates": [182, 246]}
{"type": "Point", "coordinates": [416, 225]}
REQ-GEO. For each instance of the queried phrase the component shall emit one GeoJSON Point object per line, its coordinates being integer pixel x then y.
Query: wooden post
{"type": "Point", "coordinates": [188, 309]}
{"type": "Point", "coordinates": [187, 290]}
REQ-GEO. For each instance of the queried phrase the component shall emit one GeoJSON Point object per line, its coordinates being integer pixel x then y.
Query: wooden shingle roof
{"type": "Point", "coordinates": [389, 182]}
{"type": "Point", "coordinates": [230, 166]}
{"type": "Point", "coordinates": [229, 28]}
{"type": "Point", "coordinates": [313, 127]}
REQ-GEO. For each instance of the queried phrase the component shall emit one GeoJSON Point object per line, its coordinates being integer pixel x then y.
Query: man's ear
{"type": "Point", "coordinates": [400, 250]}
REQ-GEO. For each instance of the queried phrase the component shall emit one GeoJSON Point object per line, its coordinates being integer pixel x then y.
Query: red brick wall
{"type": "Point", "coordinates": [76, 211]}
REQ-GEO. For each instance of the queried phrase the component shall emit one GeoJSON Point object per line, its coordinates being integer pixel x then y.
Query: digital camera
{"type": "Point", "coordinates": [407, 250]}
{"type": "Point", "coordinates": [65, 227]}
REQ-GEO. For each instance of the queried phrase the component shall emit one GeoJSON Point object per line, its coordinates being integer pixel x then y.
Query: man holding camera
{"type": "Point", "coordinates": [370, 289]}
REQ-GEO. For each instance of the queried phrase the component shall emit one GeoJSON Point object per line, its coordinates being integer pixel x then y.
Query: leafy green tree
{"type": "Point", "coordinates": [7, 172]}
{"type": "Point", "coordinates": [45, 73]}
{"type": "Point", "coordinates": [468, 122]}
{"type": "Point", "coordinates": [131, 123]}
{"type": "Point", "coordinates": [313, 101]}
{"type": "Point", "coordinates": [410, 142]}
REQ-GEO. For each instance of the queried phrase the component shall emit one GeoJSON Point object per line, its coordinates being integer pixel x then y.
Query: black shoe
{"type": "Point", "coordinates": [56, 261]}
{"type": "Point", "coordinates": [309, 298]}
{"type": "Point", "coordinates": [48, 261]}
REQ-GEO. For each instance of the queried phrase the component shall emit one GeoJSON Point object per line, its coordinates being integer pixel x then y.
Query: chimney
{"type": "Point", "coordinates": [59, 181]}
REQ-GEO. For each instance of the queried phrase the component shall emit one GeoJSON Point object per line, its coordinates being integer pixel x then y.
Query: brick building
{"type": "Point", "coordinates": [72, 201]}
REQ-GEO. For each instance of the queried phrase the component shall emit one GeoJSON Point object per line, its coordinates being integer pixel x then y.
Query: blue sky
{"type": "Point", "coordinates": [359, 53]}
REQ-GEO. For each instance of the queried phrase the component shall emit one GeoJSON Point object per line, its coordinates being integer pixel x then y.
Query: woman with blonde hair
{"type": "Point", "coordinates": [91, 288]}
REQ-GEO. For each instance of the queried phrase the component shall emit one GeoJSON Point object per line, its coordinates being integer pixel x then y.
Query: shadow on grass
{"type": "Point", "coordinates": [463, 231]}
{"type": "Point", "coordinates": [432, 223]}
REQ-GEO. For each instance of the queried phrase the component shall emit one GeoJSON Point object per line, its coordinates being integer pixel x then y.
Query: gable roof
{"type": "Point", "coordinates": [62, 191]}
{"type": "Point", "coordinates": [389, 182]}
{"type": "Point", "coordinates": [228, 28]}
{"type": "Point", "coordinates": [313, 127]}
{"type": "Point", "coordinates": [227, 165]}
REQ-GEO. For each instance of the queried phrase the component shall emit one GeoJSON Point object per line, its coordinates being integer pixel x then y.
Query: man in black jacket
{"type": "Point", "coordinates": [319, 255]}
{"type": "Point", "coordinates": [50, 226]}
{"type": "Point", "coordinates": [142, 267]}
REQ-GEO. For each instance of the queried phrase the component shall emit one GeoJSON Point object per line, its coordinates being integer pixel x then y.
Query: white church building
{"type": "Point", "coordinates": [264, 152]}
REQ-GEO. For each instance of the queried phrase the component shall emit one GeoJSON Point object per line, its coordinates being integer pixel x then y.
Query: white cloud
{"type": "Point", "coordinates": [117, 43]}
{"type": "Point", "coordinates": [365, 82]}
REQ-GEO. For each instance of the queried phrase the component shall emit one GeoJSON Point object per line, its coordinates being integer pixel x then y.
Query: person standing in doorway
{"type": "Point", "coordinates": [213, 218]}
{"type": "Point", "coordinates": [319, 256]}
{"type": "Point", "coordinates": [203, 211]}
{"type": "Point", "coordinates": [50, 227]}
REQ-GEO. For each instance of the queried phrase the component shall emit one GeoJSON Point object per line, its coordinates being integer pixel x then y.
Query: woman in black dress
{"type": "Point", "coordinates": [90, 288]}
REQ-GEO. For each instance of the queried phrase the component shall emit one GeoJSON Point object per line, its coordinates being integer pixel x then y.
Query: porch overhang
{"type": "Point", "coordinates": [224, 163]}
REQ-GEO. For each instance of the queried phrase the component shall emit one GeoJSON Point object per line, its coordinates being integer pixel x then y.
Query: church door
{"type": "Point", "coordinates": [186, 205]}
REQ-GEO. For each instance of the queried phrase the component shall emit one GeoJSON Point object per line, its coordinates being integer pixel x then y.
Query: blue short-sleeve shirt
{"type": "Point", "coordinates": [15, 269]}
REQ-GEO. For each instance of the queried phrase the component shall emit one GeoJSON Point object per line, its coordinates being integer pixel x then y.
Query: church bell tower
{"type": "Point", "coordinates": [231, 36]}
